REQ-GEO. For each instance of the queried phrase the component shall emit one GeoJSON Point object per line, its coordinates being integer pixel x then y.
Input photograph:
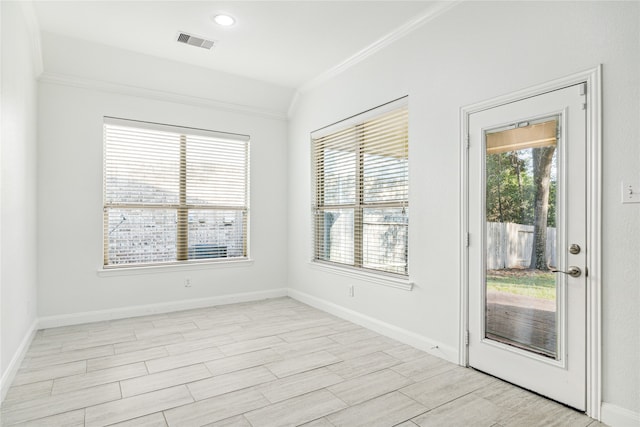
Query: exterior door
{"type": "Point", "coordinates": [527, 235]}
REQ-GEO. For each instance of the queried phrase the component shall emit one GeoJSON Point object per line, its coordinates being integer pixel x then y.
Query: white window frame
{"type": "Point", "coordinates": [396, 280]}
{"type": "Point", "coordinates": [190, 264]}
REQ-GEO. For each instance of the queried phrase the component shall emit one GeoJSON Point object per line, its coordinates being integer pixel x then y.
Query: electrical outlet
{"type": "Point", "coordinates": [187, 282]}
{"type": "Point", "coordinates": [630, 192]}
{"type": "Point", "coordinates": [350, 290]}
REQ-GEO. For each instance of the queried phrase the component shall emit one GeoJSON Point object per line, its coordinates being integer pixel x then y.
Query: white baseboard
{"type": "Point", "coordinates": [166, 307]}
{"type": "Point", "coordinates": [407, 337]}
{"type": "Point", "coordinates": [615, 416]}
{"type": "Point", "coordinates": [10, 373]}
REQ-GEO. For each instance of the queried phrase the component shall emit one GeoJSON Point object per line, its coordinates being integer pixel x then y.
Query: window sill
{"type": "Point", "coordinates": [379, 279]}
{"type": "Point", "coordinates": [155, 269]}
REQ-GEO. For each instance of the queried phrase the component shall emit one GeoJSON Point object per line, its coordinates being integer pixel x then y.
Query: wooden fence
{"type": "Point", "coordinates": [509, 245]}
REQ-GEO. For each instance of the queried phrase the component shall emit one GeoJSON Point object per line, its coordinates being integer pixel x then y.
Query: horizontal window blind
{"type": "Point", "coordinates": [361, 190]}
{"type": "Point", "coordinates": [173, 194]}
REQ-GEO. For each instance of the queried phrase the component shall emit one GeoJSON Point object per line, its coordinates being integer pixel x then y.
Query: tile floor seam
{"type": "Point", "coordinates": [337, 397]}
{"type": "Point", "coordinates": [53, 381]}
{"type": "Point", "coordinates": [369, 373]}
{"type": "Point", "coordinates": [419, 415]}
{"type": "Point", "coordinates": [42, 418]}
{"type": "Point", "coordinates": [445, 403]}
{"type": "Point", "coordinates": [410, 419]}
{"type": "Point", "coordinates": [264, 397]}
{"type": "Point", "coordinates": [377, 397]}
{"type": "Point", "coordinates": [315, 419]}
{"type": "Point", "coordinates": [189, 390]}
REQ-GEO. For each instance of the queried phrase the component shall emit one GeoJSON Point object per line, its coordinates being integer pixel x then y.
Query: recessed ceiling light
{"type": "Point", "coordinates": [224, 20]}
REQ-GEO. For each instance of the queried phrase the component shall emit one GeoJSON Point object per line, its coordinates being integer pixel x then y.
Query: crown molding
{"type": "Point", "coordinates": [31, 19]}
{"type": "Point", "coordinates": [434, 10]}
{"type": "Point", "coordinates": [159, 95]}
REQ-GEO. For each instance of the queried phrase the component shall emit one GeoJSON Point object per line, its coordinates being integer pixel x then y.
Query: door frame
{"type": "Point", "coordinates": [593, 80]}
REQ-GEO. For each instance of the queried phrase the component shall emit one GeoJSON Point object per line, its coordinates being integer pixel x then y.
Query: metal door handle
{"type": "Point", "coordinates": [573, 271]}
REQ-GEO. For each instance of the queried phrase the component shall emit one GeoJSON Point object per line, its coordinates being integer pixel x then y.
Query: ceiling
{"type": "Point", "coordinates": [287, 43]}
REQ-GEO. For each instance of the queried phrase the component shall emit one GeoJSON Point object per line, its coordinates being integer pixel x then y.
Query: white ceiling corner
{"type": "Point", "coordinates": [432, 11]}
{"type": "Point", "coordinates": [293, 44]}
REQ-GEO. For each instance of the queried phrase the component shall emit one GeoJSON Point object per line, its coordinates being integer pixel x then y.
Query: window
{"type": "Point", "coordinates": [361, 190]}
{"type": "Point", "coordinates": [173, 194]}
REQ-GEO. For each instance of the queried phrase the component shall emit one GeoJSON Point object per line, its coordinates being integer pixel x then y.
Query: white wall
{"type": "Point", "coordinates": [477, 51]}
{"type": "Point", "coordinates": [70, 179]}
{"type": "Point", "coordinates": [18, 186]}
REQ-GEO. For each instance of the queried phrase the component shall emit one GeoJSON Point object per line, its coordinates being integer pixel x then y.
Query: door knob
{"type": "Point", "coordinates": [573, 271]}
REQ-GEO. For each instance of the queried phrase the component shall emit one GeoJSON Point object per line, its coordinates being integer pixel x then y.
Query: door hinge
{"type": "Point", "coordinates": [466, 337]}
{"type": "Point", "coordinates": [467, 141]}
{"type": "Point", "coordinates": [583, 89]}
{"type": "Point", "coordinates": [467, 238]}
{"type": "Point", "coordinates": [583, 92]}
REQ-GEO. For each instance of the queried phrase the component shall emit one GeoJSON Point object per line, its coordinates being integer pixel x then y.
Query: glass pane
{"type": "Point", "coordinates": [141, 235]}
{"type": "Point", "coordinates": [339, 177]}
{"type": "Point", "coordinates": [335, 239]}
{"type": "Point", "coordinates": [216, 172]}
{"type": "Point", "coordinates": [521, 236]}
{"type": "Point", "coordinates": [141, 166]}
{"type": "Point", "coordinates": [385, 239]}
{"type": "Point", "coordinates": [216, 234]}
{"type": "Point", "coordinates": [386, 178]}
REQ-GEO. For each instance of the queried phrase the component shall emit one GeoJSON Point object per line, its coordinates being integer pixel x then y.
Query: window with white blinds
{"type": "Point", "coordinates": [361, 190]}
{"type": "Point", "coordinates": [173, 194]}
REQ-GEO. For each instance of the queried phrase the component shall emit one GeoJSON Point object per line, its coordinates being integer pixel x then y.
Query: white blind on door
{"type": "Point", "coordinates": [173, 194]}
{"type": "Point", "coordinates": [361, 190]}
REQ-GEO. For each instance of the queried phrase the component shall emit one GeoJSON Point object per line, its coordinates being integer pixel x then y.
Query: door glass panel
{"type": "Point", "coordinates": [521, 235]}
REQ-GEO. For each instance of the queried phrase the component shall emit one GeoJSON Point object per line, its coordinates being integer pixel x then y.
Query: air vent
{"type": "Point", "coordinates": [194, 40]}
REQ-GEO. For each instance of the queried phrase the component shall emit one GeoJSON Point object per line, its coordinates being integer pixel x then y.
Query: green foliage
{"type": "Point", "coordinates": [551, 216]}
{"type": "Point", "coordinates": [533, 278]}
{"type": "Point", "coordinates": [538, 285]}
{"type": "Point", "coordinates": [511, 191]}
{"type": "Point", "coordinates": [530, 291]}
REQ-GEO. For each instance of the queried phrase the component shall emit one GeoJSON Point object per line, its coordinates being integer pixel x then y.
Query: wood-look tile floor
{"type": "Point", "coordinates": [274, 362]}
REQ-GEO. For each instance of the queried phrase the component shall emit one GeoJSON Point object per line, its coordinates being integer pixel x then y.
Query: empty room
{"type": "Point", "coordinates": [320, 213]}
